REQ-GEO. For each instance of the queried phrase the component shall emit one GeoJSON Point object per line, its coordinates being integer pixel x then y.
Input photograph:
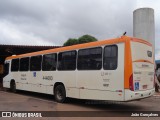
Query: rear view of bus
{"type": "Point", "coordinates": [141, 81]}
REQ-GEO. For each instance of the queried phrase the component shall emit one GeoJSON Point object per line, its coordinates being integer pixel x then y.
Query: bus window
{"type": "Point", "coordinates": [1, 69]}
{"type": "Point", "coordinates": [110, 57]}
{"type": "Point", "coordinates": [49, 62]}
{"type": "Point", "coordinates": [90, 59]}
{"type": "Point", "coordinates": [6, 69]}
{"type": "Point", "coordinates": [35, 63]}
{"type": "Point", "coordinates": [67, 60]}
{"type": "Point", "coordinates": [15, 65]}
{"type": "Point", "coordinates": [24, 64]}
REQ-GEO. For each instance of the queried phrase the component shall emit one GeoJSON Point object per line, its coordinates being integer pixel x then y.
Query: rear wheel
{"type": "Point", "coordinates": [13, 86]}
{"type": "Point", "coordinates": [60, 93]}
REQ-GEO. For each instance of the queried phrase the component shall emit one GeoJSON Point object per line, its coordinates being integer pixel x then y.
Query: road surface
{"type": "Point", "coordinates": [76, 109]}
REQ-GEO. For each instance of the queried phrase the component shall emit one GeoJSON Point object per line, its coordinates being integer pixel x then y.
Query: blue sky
{"type": "Point", "coordinates": [52, 22]}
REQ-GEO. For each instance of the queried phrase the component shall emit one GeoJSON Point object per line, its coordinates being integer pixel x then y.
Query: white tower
{"type": "Point", "coordinates": [143, 24]}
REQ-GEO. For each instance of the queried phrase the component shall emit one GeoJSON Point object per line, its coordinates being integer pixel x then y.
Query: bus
{"type": "Point", "coordinates": [120, 69]}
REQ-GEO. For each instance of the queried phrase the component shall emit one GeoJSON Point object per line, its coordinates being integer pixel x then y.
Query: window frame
{"type": "Point", "coordinates": [22, 70]}
{"type": "Point", "coordinates": [13, 70]}
{"type": "Point", "coordinates": [89, 57]}
{"type": "Point", "coordinates": [112, 57]}
{"type": "Point", "coordinates": [75, 67]}
{"type": "Point", "coordinates": [30, 65]}
{"type": "Point", "coordinates": [56, 58]}
{"type": "Point", "coordinates": [6, 69]}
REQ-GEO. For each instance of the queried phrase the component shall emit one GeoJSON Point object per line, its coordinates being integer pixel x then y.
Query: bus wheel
{"type": "Point", "coordinates": [13, 86]}
{"type": "Point", "coordinates": [60, 93]}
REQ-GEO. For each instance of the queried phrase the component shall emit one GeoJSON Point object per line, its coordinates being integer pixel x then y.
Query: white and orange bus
{"type": "Point", "coordinates": [120, 69]}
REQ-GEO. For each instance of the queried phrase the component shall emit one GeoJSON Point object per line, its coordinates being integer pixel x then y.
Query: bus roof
{"type": "Point", "coordinates": [81, 46]}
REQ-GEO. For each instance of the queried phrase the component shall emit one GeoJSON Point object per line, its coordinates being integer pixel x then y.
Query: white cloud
{"type": "Point", "coordinates": [57, 20]}
{"type": "Point", "coordinates": [52, 22]}
{"type": "Point", "coordinates": [11, 35]}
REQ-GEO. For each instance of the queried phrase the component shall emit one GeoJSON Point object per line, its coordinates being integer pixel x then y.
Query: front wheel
{"type": "Point", "coordinates": [13, 87]}
{"type": "Point", "coordinates": [60, 93]}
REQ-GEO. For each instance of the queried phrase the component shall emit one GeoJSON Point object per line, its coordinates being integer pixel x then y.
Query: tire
{"type": "Point", "coordinates": [156, 87]}
{"type": "Point", "coordinates": [60, 93]}
{"type": "Point", "coordinates": [13, 87]}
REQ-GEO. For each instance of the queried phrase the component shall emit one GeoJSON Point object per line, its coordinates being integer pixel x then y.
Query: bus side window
{"type": "Point", "coordinates": [35, 63]}
{"type": "Point", "coordinates": [67, 60]}
{"type": "Point", "coordinates": [90, 59]}
{"type": "Point", "coordinates": [15, 65]}
{"type": "Point", "coordinates": [49, 62]}
{"type": "Point", "coordinates": [110, 57]}
{"type": "Point", "coordinates": [6, 69]}
{"type": "Point", "coordinates": [24, 64]}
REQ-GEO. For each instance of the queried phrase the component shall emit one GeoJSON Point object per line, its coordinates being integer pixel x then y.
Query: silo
{"type": "Point", "coordinates": [144, 25]}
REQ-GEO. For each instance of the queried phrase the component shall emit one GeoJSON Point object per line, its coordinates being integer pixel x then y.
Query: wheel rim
{"type": "Point", "coordinates": [60, 94]}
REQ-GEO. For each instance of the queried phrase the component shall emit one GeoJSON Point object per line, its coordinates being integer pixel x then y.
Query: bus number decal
{"type": "Point", "coordinates": [47, 77]}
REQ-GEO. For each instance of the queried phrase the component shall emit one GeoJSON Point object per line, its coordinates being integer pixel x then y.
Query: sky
{"type": "Point", "coordinates": [52, 22]}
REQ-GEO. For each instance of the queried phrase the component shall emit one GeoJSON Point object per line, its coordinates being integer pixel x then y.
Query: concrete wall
{"type": "Point", "coordinates": [144, 25]}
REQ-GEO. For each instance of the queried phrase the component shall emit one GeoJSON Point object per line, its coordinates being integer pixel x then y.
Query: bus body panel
{"type": "Point", "coordinates": [7, 78]}
{"type": "Point", "coordinates": [39, 84]}
{"type": "Point", "coordinates": [103, 83]}
{"type": "Point", "coordinates": [68, 78]}
{"type": "Point", "coordinates": [132, 95]}
{"type": "Point", "coordinates": [143, 71]}
{"type": "Point", "coordinates": [143, 66]}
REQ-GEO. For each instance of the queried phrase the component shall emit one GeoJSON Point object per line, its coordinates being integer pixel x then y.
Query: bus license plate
{"type": "Point", "coordinates": [144, 86]}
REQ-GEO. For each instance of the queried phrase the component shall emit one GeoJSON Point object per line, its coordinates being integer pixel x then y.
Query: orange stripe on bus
{"type": "Point", "coordinates": [141, 41]}
{"type": "Point", "coordinates": [128, 63]}
{"type": "Point", "coordinates": [73, 47]}
{"type": "Point", "coordinates": [143, 61]}
{"type": "Point", "coordinates": [80, 46]}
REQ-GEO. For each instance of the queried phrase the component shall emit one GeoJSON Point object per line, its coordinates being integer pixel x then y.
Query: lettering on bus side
{"type": "Point", "coordinates": [106, 78]}
{"type": "Point", "coordinates": [47, 77]}
{"type": "Point", "coordinates": [105, 73]}
{"type": "Point", "coordinates": [23, 77]}
{"type": "Point", "coordinates": [144, 65]}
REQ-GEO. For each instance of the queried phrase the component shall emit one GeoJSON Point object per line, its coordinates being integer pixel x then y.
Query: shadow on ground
{"type": "Point", "coordinates": [93, 104]}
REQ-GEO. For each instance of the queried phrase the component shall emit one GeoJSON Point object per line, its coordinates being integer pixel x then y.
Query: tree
{"type": "Point", "coordinates": [80, 40]}
{"type": "Point", "coordinates": [86, 39]}
{"type": "Point", "coordinates": [71, 41]}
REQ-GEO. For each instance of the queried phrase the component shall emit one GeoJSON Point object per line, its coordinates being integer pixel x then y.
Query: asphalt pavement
{"type": "Point", "coordinates": [22, 102]}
